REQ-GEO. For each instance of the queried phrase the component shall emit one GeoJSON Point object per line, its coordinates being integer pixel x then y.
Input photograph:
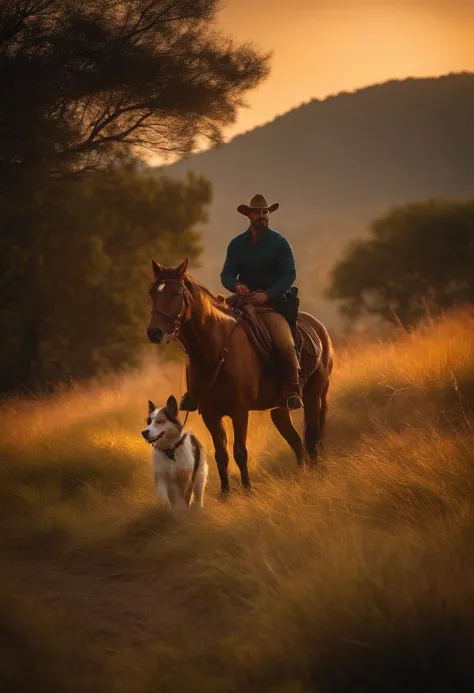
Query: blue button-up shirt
{"type": "Point", "coordinates": [268, 266]}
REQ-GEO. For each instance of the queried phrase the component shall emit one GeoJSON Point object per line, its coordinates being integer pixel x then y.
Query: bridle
{"type": "Point", "coordinates": [184, 315]}
{"type": "Point", "coordinates": [184, 312]}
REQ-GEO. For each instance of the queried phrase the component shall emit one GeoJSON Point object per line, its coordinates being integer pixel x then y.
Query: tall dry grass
{"type": "Point", "coordinates": [357, 577]}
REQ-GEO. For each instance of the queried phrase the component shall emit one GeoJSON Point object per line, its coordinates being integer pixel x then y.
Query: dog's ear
{"type": "Point", "coordinates": [172, 406]}
{"type": "Point", "coordinates": [151, 406]}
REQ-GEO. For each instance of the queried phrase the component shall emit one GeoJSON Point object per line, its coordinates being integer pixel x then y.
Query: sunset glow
{"type": "Point", "coordinates": [323, 48]}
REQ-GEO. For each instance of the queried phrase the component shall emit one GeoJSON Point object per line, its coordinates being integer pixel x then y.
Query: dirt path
{"type": "Point", "coordinates": [128, 608]}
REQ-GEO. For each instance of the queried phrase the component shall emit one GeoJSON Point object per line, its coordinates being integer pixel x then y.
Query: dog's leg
{"type": "Point", "coordinates": [200, 484]}
{"type": "Point", "coordinates": [188, 494]}
{"type": "Point", "coordinates": [182, 488]}
{"type": "Point", "coordinates": [179, 498]}
{"type": "Point", "coordinates": [161, 490]}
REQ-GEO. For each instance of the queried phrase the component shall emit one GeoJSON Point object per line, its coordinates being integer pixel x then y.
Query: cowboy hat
{"type": "Point", "coordinates": [257, 202]}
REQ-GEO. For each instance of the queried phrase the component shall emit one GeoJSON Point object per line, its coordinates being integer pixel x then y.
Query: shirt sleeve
{"type": "Point", "coordinates": [230, 271]}
{"type": "Point", "coordinates": [288, 270]}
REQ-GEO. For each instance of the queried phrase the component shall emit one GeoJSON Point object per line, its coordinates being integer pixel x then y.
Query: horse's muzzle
{"type": "Point", "coordinates": [155, 335]}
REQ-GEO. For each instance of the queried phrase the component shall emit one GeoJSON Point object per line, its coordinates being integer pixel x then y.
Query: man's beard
{"type": "Point", "coordinates": [260, 225]}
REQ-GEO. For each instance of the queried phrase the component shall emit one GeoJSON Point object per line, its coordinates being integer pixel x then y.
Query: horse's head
{"type": "Point", "coordinates": [171, 302]}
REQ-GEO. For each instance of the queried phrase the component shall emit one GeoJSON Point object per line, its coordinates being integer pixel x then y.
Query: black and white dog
{"type": "Point", "coordinates": [178, 459]}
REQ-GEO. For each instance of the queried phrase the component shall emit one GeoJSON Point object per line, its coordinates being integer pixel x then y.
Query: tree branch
{"type": "Point", "coordinates": [161, 18]}
{"type": "Point", "coordinates": [122, 137]}
{"type": "Point", "coordinates": [9, 32]}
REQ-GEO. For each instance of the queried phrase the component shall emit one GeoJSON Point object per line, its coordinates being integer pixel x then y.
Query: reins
{"type": "Point", "coordinates": [178, 319]}
{"type": "Point", "coordinates": [225, 351]}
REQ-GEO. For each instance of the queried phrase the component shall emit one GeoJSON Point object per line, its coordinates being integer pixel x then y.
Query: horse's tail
{"type": "Point", "coordinates": [323, 410]}
{"type": "Point", "coordinates": [327, 351]}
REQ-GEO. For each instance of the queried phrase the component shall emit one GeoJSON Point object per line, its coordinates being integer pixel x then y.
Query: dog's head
{"type": "Point", "coordinates": [163, 424]}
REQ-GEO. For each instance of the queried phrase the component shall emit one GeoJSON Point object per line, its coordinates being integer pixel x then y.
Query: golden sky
{"type": "Point", "coordinates": [322, 47]}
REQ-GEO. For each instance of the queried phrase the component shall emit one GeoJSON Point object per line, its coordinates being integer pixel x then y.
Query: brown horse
{"type": "Point", "coordinates": [226, 377]}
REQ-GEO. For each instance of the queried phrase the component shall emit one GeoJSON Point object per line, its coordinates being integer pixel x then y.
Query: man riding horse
{"type": "Point", "coordinates": [260, 267]}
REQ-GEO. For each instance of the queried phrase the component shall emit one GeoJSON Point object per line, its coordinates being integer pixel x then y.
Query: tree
{"type": "Point", "coordinates": [418, 256]}
{"type": "Point", "coordinates": [75, 269]}
{"type": "Point", "coordinates": [83, 81]}
{"type": "Point", "coordinates": [88, 86]}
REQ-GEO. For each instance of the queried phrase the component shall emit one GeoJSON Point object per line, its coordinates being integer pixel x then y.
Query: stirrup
{"type": "Point", "coordinates": [294, 402]}
{"type": "Point", "coordinates": [187, 403]}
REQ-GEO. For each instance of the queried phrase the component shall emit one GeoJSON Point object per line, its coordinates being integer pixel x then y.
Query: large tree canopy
{"type": "Point", "coordinates": [95, 84]}
{"type": "Point", "coordinates": [418, 257]}
{"type": "Point", "coordinates": [75, 270]}
{"type": "Point", "coordinates": [84, 79]}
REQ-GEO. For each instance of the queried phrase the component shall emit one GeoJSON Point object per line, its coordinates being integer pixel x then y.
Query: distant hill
{"type": "Point", "coordinates": [336, 164]}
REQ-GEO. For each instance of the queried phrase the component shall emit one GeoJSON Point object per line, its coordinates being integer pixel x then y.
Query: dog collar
{"type": "Point", "coordinates": [169, 452]}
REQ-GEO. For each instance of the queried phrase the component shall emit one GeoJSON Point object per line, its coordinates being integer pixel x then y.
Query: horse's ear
{"type": "Point", "coordinates": [172, 406]}
{"type": "Point", "coordinates": [151, 406]}
{"type": "Point", "coordinates": [157, 269]}
{"type": "Point", "coordinates": [183, 266]}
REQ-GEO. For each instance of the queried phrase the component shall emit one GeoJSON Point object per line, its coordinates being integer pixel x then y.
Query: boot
{"type": "Point", "coordinates": [187, 403]}
{"type": "Point", "coordinates": [292, 388]}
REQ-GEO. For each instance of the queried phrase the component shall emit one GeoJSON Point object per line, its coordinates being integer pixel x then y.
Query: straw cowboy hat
{"type": "Point", "coordinates": [257, 202]}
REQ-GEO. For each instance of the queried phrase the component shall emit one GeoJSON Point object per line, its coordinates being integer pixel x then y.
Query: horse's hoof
{"type": "Point", "coordinates": [248, 490]}
{"type": "Point", "coordinates": [314, 463]}
{"type": "Point", "coordinates": [224, 496]}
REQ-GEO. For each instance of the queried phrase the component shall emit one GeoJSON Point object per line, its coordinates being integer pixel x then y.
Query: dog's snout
{"type": "Point", "coordinates": [145, 434]}
{"type": "Point", "coordinates": [155, 334]}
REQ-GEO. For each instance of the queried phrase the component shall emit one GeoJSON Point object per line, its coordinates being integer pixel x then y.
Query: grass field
{"type": "Point", "coordinates": [356, 577]}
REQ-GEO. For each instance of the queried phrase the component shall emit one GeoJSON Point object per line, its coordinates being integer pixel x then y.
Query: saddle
{"type": "Point", "coordinates": [260, 338]}
{"type": "Point", "coordinates": [257, 332]}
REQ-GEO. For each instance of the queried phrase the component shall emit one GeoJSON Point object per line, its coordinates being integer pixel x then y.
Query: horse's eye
{"type": "Point", "coordinates": [148, 421]}
{"type": "Point", "coordinates": [175, 293]}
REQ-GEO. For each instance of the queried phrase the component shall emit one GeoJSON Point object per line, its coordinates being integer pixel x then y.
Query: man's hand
{"type": "Point", "coordinates": [242, 290]}
{"type": "Point", "coordinates": [258, 298]}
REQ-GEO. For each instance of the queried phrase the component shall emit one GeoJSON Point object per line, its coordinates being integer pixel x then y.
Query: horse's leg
{"type": "Point", "coordinates": [312, 415]}
{"type": "Point", "coordinates": [240, 422]}
{"type": "Point", "coordinates": [284, 425]}
{"type": "Point", "coordinates": [215, 425]}
{"type": "Point", "coordinates": [322, 416]}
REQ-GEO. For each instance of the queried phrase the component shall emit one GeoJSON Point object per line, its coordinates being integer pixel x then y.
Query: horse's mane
{"type": "Point", "coordinates": [210, 303]}
{"type": "Point", "coordinates": [209, 300]}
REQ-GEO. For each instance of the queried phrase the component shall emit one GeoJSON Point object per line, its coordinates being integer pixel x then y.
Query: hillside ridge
{"type": "Point", "coordinates": [336, 164]}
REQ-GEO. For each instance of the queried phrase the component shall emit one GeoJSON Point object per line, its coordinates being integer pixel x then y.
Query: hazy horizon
{"type": "Point", "coordinates": [321, 48]}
